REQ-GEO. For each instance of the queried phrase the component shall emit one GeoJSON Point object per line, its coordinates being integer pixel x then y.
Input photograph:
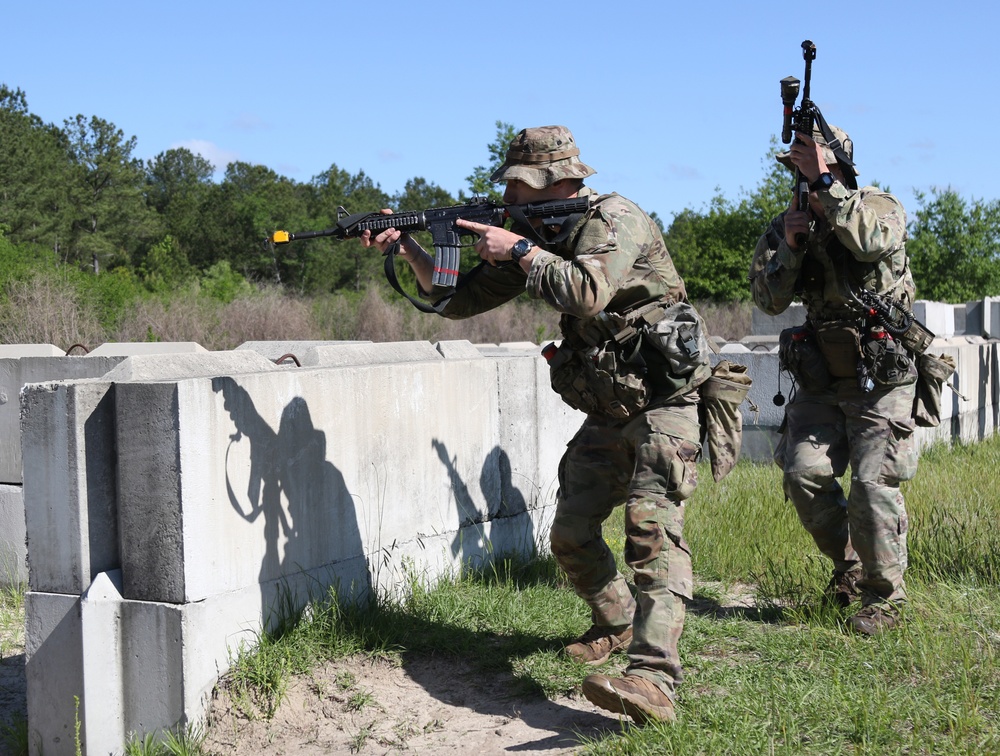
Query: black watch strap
{"type": "Point", "coordinates": [825, 181]}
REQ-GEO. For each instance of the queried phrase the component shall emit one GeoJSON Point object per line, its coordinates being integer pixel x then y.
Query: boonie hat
{"type": "Point", "coordinates": [828, 156]}
{"type": "Point", "coordinates": [542, 156]}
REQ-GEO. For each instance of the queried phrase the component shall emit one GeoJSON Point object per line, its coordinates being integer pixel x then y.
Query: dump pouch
{"type": "Point", "coordinates": [721, 420]}
{"type": "Point", "coordinates": [799, 354]}
{"type": "Point", "coordinates": [597, 380]}
{"type": "Point", "coordinates": [840, 343]}
{"type": "Point", "coordinates": [932, 372]}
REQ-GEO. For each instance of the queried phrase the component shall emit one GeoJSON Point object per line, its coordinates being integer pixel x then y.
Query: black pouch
{"type": "Point", "coordinates": [598, 381]}
{"type": "Point", "coordinates": [799, 354]}
{"type": "Point", "coordinates": [932, 372]}
{"type": "Point", "coordinates": [840, 343]}
{"type": "Point", "coordinates": [887, 362]}
{"type": "Point", "coordinates": [722, 422]}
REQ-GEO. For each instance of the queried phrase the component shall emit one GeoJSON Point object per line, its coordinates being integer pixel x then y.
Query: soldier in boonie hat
{"type": "Point", "coordinates": [542, 156]}
{"type": "Point", "coordinates": [845, 141]}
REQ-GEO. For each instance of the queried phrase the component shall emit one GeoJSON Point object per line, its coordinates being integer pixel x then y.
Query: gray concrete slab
{"type": "Point", "coordinates": [15, 373]}
{"type": "Point", "coordinates": [134, 348]}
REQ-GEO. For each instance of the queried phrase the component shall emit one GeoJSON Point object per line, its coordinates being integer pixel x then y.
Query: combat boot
{"type": "Point", "coordinates": [597, 644]}
{"type": "Point", "coordinates": [631, 695]}
{"type": "Point", "coordinates": [842, 590]}
{"type": "Point", "coordinates": [874, 619]}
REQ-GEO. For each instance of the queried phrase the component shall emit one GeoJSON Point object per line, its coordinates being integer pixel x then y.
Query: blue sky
{"type": "Point", "coordinates": [668, 101]}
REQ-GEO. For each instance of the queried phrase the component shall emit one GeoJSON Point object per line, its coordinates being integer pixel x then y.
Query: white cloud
{"type": "Point", "coordinates": [218, 157]}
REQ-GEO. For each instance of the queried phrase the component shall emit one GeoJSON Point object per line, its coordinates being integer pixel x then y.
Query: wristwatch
{"type": "Point", "coordinates": [825, 181]}
{"type": "Point", "coordinates": [520, 249]}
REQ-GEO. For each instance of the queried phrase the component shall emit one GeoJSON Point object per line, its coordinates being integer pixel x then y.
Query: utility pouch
{"type": "Point", "coordinates": [721, 420]}
{"type": "Point", "coordinates": [917, 338]}
{"type": "Point", "coordinates": [799, 354]}
{"type": "Point", "coordinates": [679, 336]}
{"type": "Point", "coordinates": [840, 343]}
{"type": "Point", "coordinates": [596, 380]}
{"type": "Point", "coordinates": [932, 373]}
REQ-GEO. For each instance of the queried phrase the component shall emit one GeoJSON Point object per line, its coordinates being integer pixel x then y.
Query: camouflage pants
{"type": "Point", "coordinates": [649, 464]}
{"type": "Point", "coordinates": [873, 433]}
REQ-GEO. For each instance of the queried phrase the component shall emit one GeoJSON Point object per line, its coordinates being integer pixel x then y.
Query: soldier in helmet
{"type": "Point", "coordinates": [844, 257]}
{"type": "Point", "coordinates": [603, 270]}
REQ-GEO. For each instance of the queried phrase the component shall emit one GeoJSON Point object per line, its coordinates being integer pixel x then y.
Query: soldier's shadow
{"type": "Point", "coordinates": [704, 606]}
{"type": "Point", "coordinates": [312, 540]}
{"type": "Point", "coordinates": [481, 670]}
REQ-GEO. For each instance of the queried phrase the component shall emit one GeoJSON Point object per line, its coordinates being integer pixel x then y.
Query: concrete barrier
{"type": "Point", "coordinates": [176, 504]}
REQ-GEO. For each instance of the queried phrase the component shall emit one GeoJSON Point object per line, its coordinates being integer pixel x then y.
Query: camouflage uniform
{"type": "Point", "coordinates": [858, 243]}
{"type": "Point", "coordinates": [613, 259]}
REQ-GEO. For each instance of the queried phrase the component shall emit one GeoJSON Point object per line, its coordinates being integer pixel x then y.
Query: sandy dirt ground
{"type": "Point", "coordinates": [366, 706]}
{"type": "Point", "coordinates": [377, 707]}
{"type": "Point", "coordinates": [422, 707]}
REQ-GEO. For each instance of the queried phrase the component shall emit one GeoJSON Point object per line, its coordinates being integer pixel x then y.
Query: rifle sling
{"type": "Point", "coordinates": [390, 275]}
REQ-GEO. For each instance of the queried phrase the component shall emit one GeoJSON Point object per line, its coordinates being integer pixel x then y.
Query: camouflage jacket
{"type": "Point", "coordinates": [613, 259]}
{"type": "Point", "coordinates": [859, 243]}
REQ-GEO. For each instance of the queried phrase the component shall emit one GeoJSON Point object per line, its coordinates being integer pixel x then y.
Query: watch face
{"type": "Point", "coordinates": [520, 249]}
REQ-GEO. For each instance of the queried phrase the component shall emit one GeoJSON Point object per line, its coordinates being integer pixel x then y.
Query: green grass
{"type": "Point", "coordinates": [780, 676]}
{"type": "Point", "coordinates": [13, 733]}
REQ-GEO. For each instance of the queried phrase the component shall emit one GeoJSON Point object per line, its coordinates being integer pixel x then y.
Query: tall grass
{"type": "Point", "coordinates": [50, 308]}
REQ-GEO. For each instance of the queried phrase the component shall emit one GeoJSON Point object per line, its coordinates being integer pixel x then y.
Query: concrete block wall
{"type": "Point", "coordinates": [21, 364]}
{"type": "Point", "coordinates": [174, 504]}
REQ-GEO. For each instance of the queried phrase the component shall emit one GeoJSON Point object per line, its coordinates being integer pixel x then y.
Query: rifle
{"type": "Point", "coordinates": [801, 119]}
{"type": "Point", "coordinates": [440, 221]}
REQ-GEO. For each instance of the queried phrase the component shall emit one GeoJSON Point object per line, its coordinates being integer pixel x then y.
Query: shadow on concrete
{"type": "Point", "coordinates": [310, 523]}
{"type": "Point", "coordinates": [511, 527]}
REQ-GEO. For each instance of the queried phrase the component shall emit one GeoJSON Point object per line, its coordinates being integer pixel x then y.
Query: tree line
{"type": "Point", "coordinates": [76, 196]}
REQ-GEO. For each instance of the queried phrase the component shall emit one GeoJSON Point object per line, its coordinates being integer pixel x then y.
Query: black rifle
{"type": "Point", "coordinates": [440, 221]}
{"type": "Point", "coordinates": [802, 120]}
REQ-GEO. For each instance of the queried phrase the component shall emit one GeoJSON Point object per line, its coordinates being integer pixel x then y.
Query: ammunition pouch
{"type": "Point", "coordinates": [676, 336]}
{"type": "Point", "coordinates": [612, 364]}
{"type": "Point", "coordinates": [932, 373]}
{"type": "Point", "coordinates": [799, 354]}
{"type": "Point", "coordinates": [840, 343]}
{"type": "Point", "coordinates": [721, 420]}
{"type": "Point", "coordinates": [598, 380]}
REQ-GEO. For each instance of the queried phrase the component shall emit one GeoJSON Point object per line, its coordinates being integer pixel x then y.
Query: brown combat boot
{"type": "Point", "coordinates": [842, 590]}
{"type": "Point", "coordinates": [875, 618]}
{"type": "Point", "coordinates": [597, 644]}
{"type": "Point", "coordinates": [631, 695]}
